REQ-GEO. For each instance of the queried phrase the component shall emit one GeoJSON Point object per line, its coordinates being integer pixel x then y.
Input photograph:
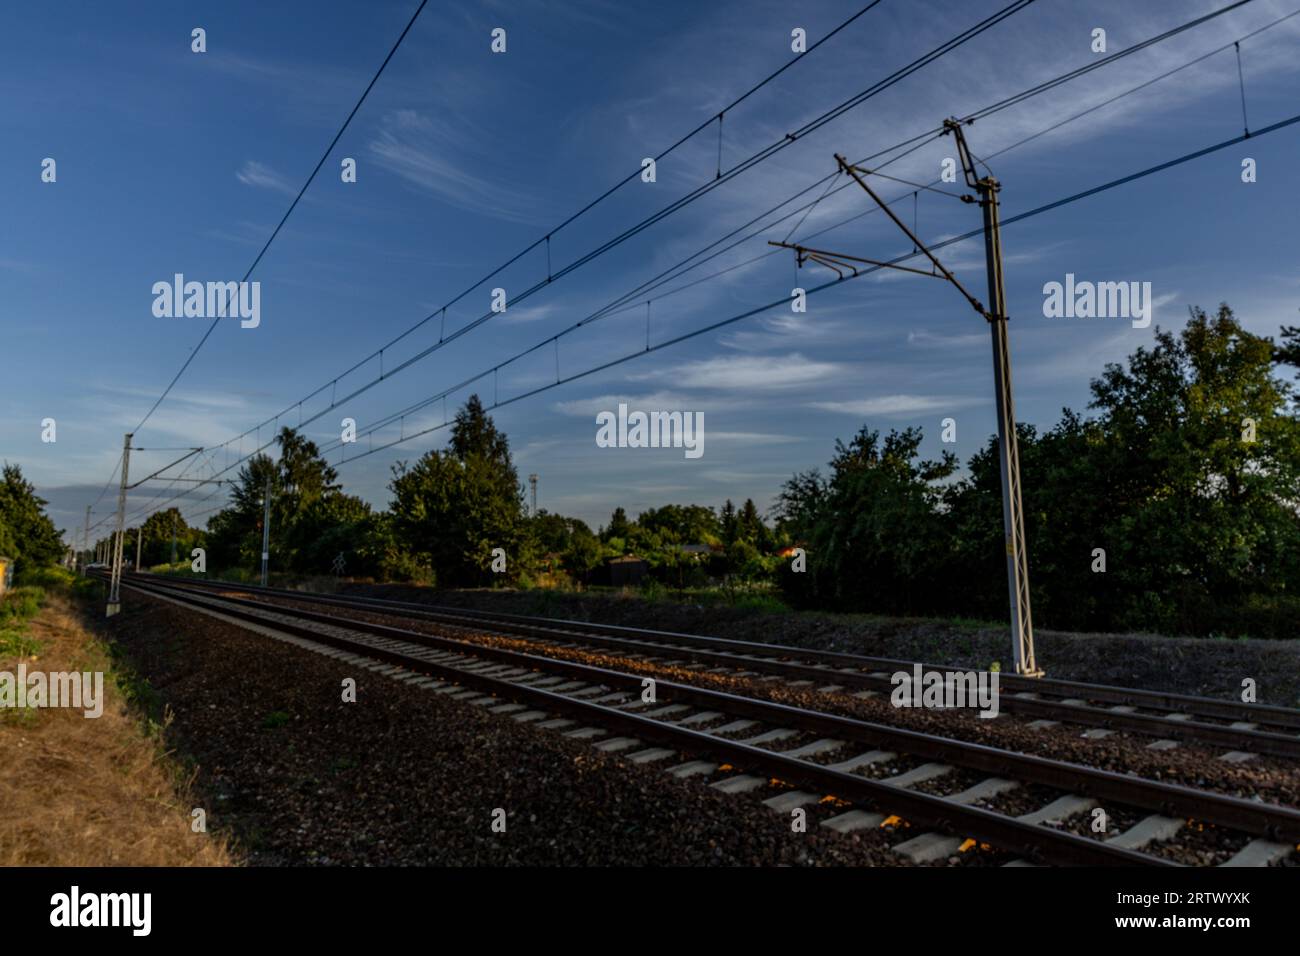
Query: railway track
{"type": "Point", "coordinates": [1240, 729]}
{"type": "Point", "coordinates": [793, 758]}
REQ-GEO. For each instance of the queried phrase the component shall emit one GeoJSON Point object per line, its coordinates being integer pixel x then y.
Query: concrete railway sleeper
{"type": "Point", "coordinates": [527, 686]}
{"type": "Point", "coordinates": [1203, 708]}
{"type": "Point", "coordinates": [1240, 740]}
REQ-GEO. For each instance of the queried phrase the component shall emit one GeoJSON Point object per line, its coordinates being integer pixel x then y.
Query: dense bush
{"type": "Point", "coordinates": [21, 603]}
{"type": "Point", "coordinates": [1187, 479]}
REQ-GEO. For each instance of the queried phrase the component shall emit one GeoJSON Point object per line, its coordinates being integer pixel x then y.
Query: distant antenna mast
{"type": "Point", "coordinates": [532, 483]}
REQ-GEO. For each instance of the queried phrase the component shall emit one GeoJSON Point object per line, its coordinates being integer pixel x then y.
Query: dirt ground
{"type": "Point", "coordinates": [80, 791]}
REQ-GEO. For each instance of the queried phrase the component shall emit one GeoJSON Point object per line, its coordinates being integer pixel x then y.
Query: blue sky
{"type": "Point", "coordinates": [171, 161]}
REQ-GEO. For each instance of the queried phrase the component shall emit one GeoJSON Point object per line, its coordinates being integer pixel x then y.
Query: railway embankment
{"type": "Point", "coordinates": [1205, 667]}
{"type": "Point", "coordinates": [400, 776]}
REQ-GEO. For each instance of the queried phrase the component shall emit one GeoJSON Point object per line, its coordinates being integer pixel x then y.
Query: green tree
{"type": "Point", "coordinates": [799, 505]}
{"type": "Point", "coordinates": [1205, 466]}
{"type": "Point", "coordinates": [452, 508]}
{"type": "Point", "coordinates": [727, 525]}
{"type": "Point", "coordinates": [1288, 352]}
{"type": "Point", "coordinates": [874, 531]}
{"type": "Point", "coordinates": [583, 554]}
{"type": "Point", "coordinates": [474, 433]}
{"type": "Point", "coordinates": [235, 532]}
{"type": "Point", "coordinates": [579, 549]}
{"type": "Point", "coordinates": [751, 527]}
{"type": "Point", "coordinates": [618, 527]}
{"type": "Point", "coordinates": [158, 531]}
{"type": "Point", "coordinates": [554, 533]}
{"type": "Point", "coordinates": [879, 534]}
{"type": "Point", "coordinates": [685, 524]}
{"type": "Point", "coordinates": [26, 532]}
{"type": "Point", "coordinates": [312, 520]}
{"type": "Point", "coordinates": [1187, 479]}
{"type": "Point", "coordinates": [336, 527]}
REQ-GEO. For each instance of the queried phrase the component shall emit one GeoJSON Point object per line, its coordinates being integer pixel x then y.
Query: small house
{"type": "Point", "coordinates": [628, 570]}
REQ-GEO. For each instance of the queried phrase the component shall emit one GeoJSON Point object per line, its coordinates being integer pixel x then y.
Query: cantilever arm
{"type": "Point", "coordinates": [854, 172]}
{"type": "Point", "coordinates": [191, 454]}
{"type": "Point", "coordinates": [832, 259]}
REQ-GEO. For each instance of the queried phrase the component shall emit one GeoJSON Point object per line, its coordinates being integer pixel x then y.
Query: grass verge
{"type": "Point", "coordinates": [80, 791]}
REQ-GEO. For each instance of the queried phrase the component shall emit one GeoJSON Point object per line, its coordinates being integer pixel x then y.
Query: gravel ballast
{"type": "Point", "coordinates": [1201, 666]}
{"type": "Point", "coordinates": [1274, 780]}
{"type": "Point", "coordinates": [406, 776]}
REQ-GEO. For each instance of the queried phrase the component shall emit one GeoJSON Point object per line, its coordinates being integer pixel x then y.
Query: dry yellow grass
{"type": "Point", "coordinates": [89, 792]}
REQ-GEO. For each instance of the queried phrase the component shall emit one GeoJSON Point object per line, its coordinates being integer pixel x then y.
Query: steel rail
{"type": "Point", "coordinates": [697, 648]}
{"type": "Point", "coordinates": [1274, 822]}
{"type": "Point", "coordinates": [1158, 700]}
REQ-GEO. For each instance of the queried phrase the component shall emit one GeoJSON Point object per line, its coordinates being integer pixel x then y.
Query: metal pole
{"type": "Point", "coordinates": [532, 480]}
{"type": "Point", "coordinates": [139, 537]}
{"type": "Point", "coordinates": [1022, 627]}
{"type": "Point", "coordinates": [266, 529]}
{"type": "Point", "coordinates": [1013, 519]}
{"type": "Point", "coordinates": [114, 591]}
{"type": "Point", "coordinates": [173, 561]}
{"type": "Point", "coordinates": [85, 540]}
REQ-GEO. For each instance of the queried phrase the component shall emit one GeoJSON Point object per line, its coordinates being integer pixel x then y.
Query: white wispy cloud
{"type": "Point", "coordinates": [753, 438]}
{"type": "Point", "coordinates": [926, 339]}
{"type": "Point", "coordinates": [593, 406]}
{"type": "Point", "coordinates": [1077, 353]}
{"type": "Point", "coordinates": [749, 372]}
{"type": "Point", "coordinates": [434, 155]}
{"type": "Point", "coordinates": [898, 405]}
{"type": "Point", "coordinates": [530, 313]}
{"type": "Point", "coordinates": [253, 173]}
{"type": "Point", "coordinates": [243, 233]}
{"type": "Point", "coordinates": [1160, 301]}
{"type": "Point", "coordinates": [208, 400]}
{"type": "Point", "coordinates": [737, 477]}
{"type": "Point", "coordinates": [196, 417]}
{"type": "Point", "coordinates": [782, 329]}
